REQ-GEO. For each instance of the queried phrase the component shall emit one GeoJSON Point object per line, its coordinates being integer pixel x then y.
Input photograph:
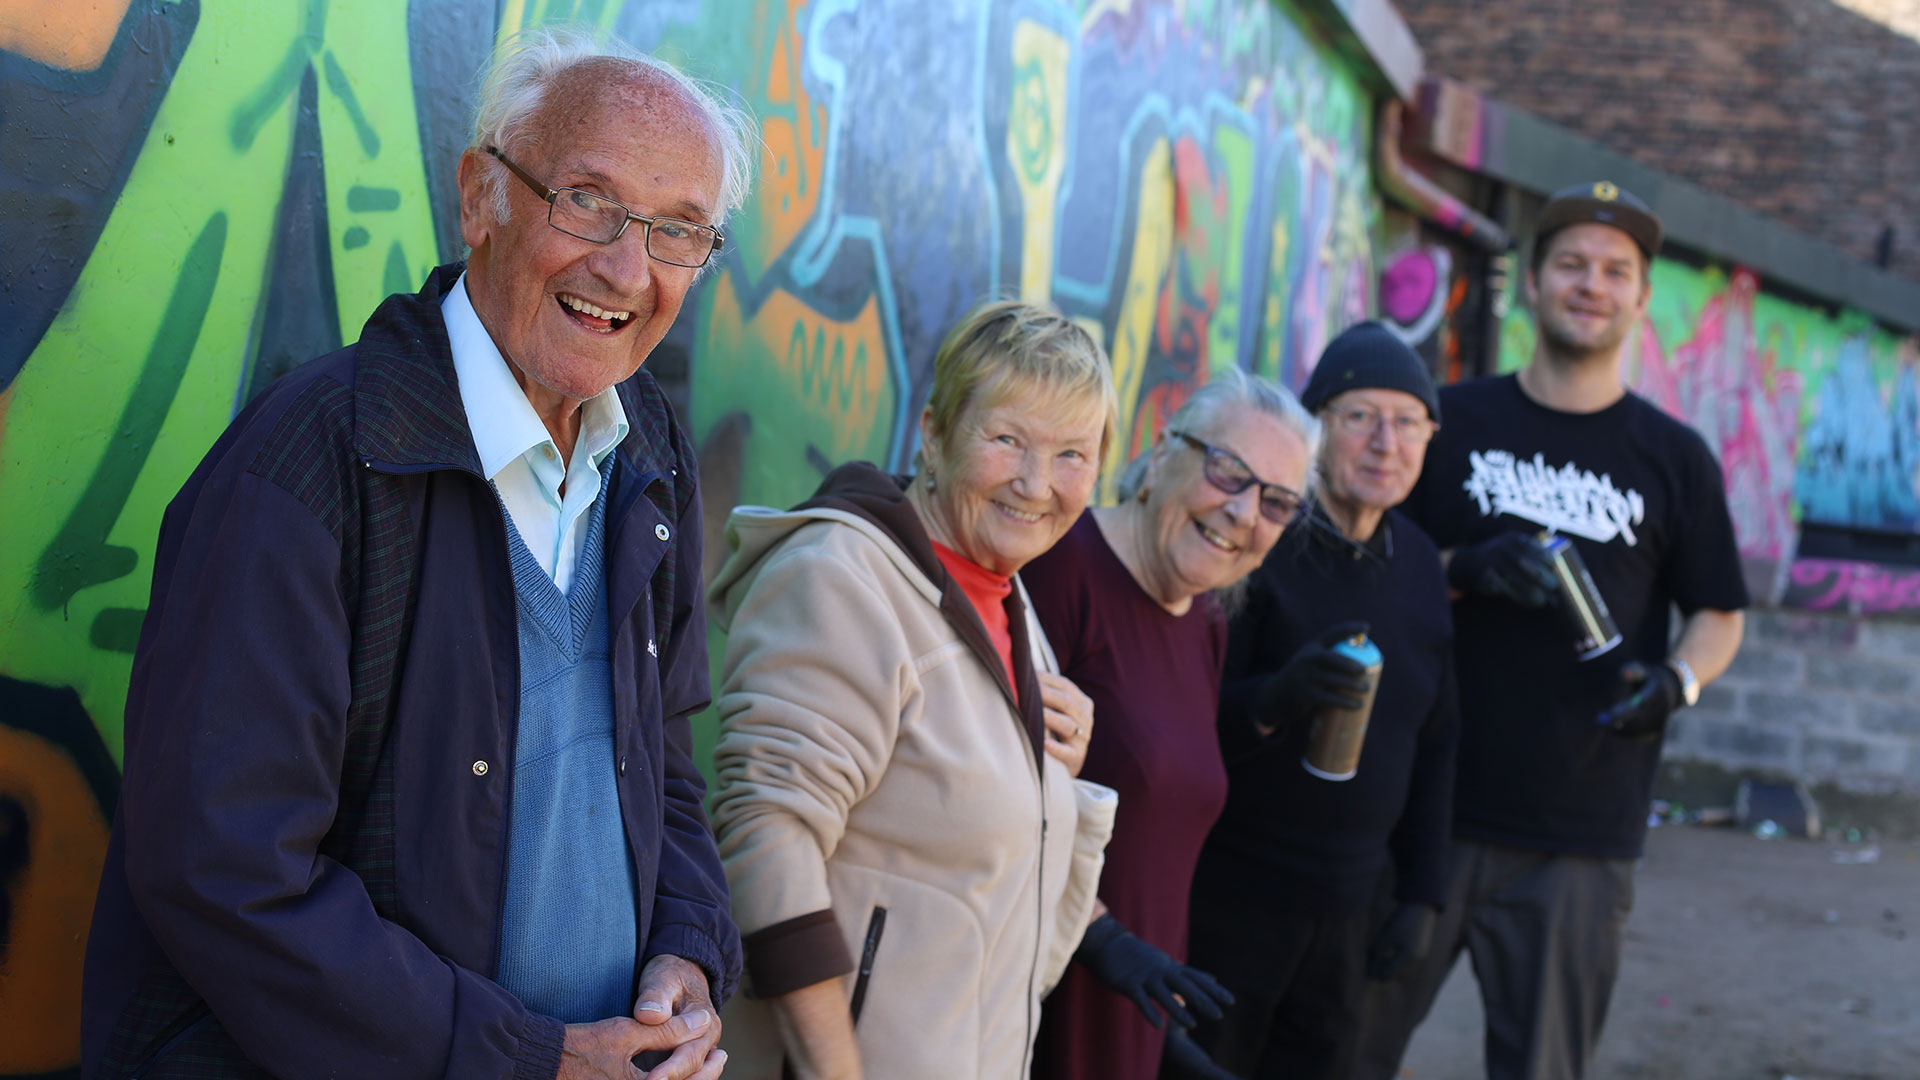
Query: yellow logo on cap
{"type": "Point", "coordinates": [1605, 192]}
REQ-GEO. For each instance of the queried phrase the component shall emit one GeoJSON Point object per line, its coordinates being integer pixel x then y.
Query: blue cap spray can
{"type": "Point", "coordinates": [1333, 747]}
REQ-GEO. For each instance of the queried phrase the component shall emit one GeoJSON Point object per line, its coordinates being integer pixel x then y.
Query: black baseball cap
{"type": "Point", "coordinates": [1601, 202]}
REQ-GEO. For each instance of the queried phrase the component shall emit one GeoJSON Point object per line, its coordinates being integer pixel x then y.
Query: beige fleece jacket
{"type": "Point", "coordinates": [869, 759]}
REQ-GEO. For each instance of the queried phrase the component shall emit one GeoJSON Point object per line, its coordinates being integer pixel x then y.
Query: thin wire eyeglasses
{"type": "Point", "coordinates": [1365, 420]}
{"type": "Point", "coordinates": [599, 220]}
{"type": "Point", "coordinates": [1224, 470]}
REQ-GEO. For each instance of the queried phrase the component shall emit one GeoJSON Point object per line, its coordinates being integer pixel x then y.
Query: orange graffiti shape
{"type": "Point", "coordinates": [793, 136]}
{"type": "Point", "coordinates": [52, 904]}
{"type": "Point", "coordinates": [1199, 219]}
{"type": "Point", "coordinates": [70, 34]}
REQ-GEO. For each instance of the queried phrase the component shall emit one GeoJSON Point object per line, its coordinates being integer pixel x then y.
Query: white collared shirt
{"type": "Point", "coordinates": [518, 454]}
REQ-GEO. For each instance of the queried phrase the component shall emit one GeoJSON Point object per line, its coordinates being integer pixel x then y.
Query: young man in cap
{"type": "Point", "coordinates": [1557, 751]}
{"type": "Point", "coordinates": [1284, 893]}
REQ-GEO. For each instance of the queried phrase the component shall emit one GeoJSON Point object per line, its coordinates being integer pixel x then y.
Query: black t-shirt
{"type": "Point", "coordinates": [1641, 497]}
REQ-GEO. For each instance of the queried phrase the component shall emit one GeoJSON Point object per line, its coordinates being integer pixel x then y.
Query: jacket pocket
{"type": "Point", "coordinates": [876, 925]}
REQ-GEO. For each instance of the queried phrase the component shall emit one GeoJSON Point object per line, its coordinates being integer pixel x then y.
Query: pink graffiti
{"type": "Point", "coordinates": [1747, 406]}
{"type": "Point", "coordinates": [1856, 587]}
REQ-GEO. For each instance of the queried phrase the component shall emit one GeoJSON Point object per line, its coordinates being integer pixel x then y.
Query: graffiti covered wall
{"type": "Point", "coordinates": [1815, 415]}
{"type": "Point", "coordinates": [203, 194]}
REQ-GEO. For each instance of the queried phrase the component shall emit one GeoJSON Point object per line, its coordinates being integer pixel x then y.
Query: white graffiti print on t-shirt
{"type": "Point", "coordinates": [1567, 499]}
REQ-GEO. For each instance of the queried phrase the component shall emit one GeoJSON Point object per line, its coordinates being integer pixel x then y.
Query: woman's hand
{"type": "Point", "coordinates": [817, 1030]}
{"type": "Point", "coordinates": [1069, 721]}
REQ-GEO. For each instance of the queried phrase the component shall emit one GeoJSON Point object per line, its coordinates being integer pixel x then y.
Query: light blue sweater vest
{"type": "Point", "coordinates": [568, 930]}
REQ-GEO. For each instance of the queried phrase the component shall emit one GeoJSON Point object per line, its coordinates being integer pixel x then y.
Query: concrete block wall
{"type": "Point", "coordinates": [1826, 698]}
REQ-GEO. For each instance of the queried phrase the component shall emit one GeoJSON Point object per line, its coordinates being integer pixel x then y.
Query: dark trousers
{"type": "Point", "coordinates": [1544, 932]}
{"type": "Point", "coordinates": [1297, 983]}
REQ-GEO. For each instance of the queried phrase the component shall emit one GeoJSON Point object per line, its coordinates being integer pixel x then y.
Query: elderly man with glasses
{"type": "Point", "coordinates": [1284, 897]}
{"type": "Point", "coordinates": [409, 786]}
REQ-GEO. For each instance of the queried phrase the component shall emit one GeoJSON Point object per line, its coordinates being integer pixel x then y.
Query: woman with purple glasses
{"type": "Point", "coordinates": [1129, 602]}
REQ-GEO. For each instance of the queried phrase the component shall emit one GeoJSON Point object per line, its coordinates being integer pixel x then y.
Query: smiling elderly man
{"type": "Point", "coordinates": [409, 789]}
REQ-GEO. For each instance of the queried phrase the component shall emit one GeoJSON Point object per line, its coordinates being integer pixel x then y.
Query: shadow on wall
{"type": "Point", "coordinates": [219, 192]}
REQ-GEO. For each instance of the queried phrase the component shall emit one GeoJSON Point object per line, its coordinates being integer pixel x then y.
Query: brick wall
{"type": "Point", "coordinates": [1801, 109]}
{"type": "Point", "coordinates": [1827, 698]}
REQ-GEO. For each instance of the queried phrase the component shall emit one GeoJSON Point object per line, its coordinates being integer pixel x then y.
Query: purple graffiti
{"type": "Point", "coordinates": [1859, 588]}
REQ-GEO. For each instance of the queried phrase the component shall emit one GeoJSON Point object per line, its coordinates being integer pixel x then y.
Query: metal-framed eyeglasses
{"type": "Point", "coordinates": [1365, 420]}
{"type": "Point", "coordinates": [1224, 470]}
{"type": "Point", "coordinates": [599, 220]}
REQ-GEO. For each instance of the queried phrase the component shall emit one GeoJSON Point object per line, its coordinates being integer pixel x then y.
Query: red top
{"type": "Point", "coordinates": [988, 591]}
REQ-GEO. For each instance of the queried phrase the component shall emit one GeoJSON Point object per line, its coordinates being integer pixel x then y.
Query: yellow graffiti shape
{"type": "Point", "coordinates": [1133, 331]}
{"type": "Point", "coordinates": [70, 34]}
{"type": "Point", "coordinates": [52, 904]}
{"type": "Point", "coordinates": [793, 135]}
{"type": "Point", "coordinates": [1279, 299]}
{"type": "Point", "coordinates": [1037, 146]}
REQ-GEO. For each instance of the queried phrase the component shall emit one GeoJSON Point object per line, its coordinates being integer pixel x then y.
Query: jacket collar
{"type": "Point", "coordinates": [1328, 536]}
{"type": "Point", "coordinates": [879, 498]}
{"type": "Point", "coordinates": [407, 406]}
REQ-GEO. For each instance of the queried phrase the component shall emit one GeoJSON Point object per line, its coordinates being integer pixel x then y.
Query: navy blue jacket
{"type": "Point", "coordinates": [306, 868]}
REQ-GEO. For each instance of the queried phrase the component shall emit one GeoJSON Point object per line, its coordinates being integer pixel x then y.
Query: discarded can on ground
{"type": "Point", "coordinates": [1594, 631]}
{"type": "Point", "coordinates": [1333, 747]}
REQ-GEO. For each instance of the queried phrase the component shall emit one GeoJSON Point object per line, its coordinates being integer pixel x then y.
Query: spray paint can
{"type": "Point", "coordinates": [1333, 747]}
{"type": "Point", "coordinates": [1594, 631]}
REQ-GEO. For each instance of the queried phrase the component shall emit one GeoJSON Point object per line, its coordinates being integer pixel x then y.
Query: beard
{"type": "Point", "coordinates": [1566, 339]}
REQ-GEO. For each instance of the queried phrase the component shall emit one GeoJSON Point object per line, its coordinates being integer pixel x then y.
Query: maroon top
{"type": "Point", "coordinates": [1154, 678]}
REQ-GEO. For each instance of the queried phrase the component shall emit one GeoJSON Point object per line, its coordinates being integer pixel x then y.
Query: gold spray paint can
{"type": "Point", "coordinates": [1333, 747]}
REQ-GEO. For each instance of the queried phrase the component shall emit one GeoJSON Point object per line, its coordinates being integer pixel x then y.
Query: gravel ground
{"type": "Point", "coordinates": [1745, 960]}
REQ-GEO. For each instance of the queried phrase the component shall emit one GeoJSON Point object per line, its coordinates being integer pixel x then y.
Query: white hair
{"type": "Point", "coordinates": [525, 66]}
{"type": "Point", "coordinates": [1225, 389]}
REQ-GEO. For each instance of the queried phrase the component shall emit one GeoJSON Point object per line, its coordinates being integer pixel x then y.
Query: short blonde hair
{"type": "Point", "coordinates": [1012, 349]}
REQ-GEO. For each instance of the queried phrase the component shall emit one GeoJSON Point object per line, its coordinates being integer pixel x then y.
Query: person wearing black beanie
{"type": "Point", "coordinates": [1284, 899]}
{"type": "Point", "coordinates": [1368, 355]}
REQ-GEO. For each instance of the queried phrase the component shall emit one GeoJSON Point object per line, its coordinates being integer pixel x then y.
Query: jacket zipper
{"type": "Point", "coordinates": [1039, 921]}
{"type": "Point", "coordinates": [876, 925]}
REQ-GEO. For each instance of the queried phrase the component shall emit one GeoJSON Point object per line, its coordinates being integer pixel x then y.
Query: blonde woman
{"type": "Point", "coordinates": [911, 860]}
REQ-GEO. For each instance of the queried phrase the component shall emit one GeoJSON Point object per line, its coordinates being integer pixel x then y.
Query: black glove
{"type": "Point", "coordinates": [1512, 565]}
{"type": "Point", "coordinates": [1147, 976]}
{"type": "Point", "coordinates": [1401, 943]}
{"type": "Point", "coordinates": [1648, 697]}
{"type": "Point", "coordinates": [1315, 678]}
{"type": "Point", "coordinates": [1184, 1059]}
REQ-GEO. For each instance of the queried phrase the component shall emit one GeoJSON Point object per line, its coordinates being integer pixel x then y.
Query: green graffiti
{"type": "Point", "coordinates": [1234, 150]}
{"type": "Point", "coordinates": [397, 278]}
{"type": "Point", "coordinates": [79, 555]}
{"type": "Point", "coordinates": [116, 629]}
{"type": "Point", "coordinates": [253, 112]}
{"type": "Point", "coordinates": [372, 200]}
{"type": "Point", "coordinates": [821, 374]}
{"type": "Point", "coordinates": [255, 109]}
{"type": "Point", "coordinates": [342, 88]}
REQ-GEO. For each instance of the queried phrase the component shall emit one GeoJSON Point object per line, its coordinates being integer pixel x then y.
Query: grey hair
{"type": "Point", "coordinates": [1230, 388]}
{"type": "Point", "coordinates": [1226, 389]}
{"type": "Point", "coordinates": [525, 66]}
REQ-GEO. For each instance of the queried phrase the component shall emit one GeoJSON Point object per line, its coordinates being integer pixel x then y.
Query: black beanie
{"type": "Point", "coordinates": [1368, 356]}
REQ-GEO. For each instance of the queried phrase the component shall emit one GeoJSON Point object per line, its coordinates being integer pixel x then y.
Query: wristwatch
{"type": "Point", "coordinates": [1689, 685]}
